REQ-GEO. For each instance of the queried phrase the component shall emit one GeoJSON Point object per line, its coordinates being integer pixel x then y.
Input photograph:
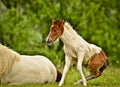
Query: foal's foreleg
{"type": "Point", "coordinates": [68, 60]}
{"type": "Point", "coordinates": [79, 67]}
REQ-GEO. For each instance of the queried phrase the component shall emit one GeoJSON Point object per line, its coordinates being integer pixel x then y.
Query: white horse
{"type": "Point", "coordinates": [23, 69]}
{"type": "Point", "coordinates": [76, 47]}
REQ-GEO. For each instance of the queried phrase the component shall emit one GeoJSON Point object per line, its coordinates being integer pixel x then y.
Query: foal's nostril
{"type": "Point", "coordinates": [49, 40]}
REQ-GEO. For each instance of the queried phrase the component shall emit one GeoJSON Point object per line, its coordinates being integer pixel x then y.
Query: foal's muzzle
{"type": "Point", "coordinates": [49, 40]}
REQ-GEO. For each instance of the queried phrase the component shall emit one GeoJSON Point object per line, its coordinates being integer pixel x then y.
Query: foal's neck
{"type": "Point", "coordinates": [68, 34]}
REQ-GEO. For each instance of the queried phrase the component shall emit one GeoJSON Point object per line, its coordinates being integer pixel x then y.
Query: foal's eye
{"type": "Point", "coordinates": [55, 30]}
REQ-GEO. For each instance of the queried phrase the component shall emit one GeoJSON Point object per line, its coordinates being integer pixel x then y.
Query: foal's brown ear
{"type": "Point", "coordinates": [58, 22]}
{"type": "Point", "coordinates": [62, 21]}
{"type": "Point", "coordinates": [53, 21]}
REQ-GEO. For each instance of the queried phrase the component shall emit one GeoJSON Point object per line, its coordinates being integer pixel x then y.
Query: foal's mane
{"type": "Point", "coordinates": [8, 58]}
{"type": "Point", "coordinates": [69, 28]}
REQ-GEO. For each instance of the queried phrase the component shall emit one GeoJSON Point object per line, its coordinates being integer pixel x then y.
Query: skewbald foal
{"type": "Point", "coordinates": [76, 47]}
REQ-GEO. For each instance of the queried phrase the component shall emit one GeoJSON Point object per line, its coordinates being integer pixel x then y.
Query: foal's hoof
{"type": "Point", "coordinates": [78, 83]}
{"type": "Point", "coordinates": [60, 84]}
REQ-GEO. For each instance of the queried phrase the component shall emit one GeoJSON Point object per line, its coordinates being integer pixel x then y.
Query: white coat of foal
{"type": "Point", "coordinates": [24, 69]}
{"type": "Point", "coordinates": [76, 47]}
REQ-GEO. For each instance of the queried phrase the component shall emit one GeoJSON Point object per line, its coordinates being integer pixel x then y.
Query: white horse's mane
{"type": "Point", "coordinates": [8, 58]}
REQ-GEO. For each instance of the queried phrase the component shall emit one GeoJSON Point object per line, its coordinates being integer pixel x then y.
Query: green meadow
{"type": "Point", "coordinates": [110, 78]}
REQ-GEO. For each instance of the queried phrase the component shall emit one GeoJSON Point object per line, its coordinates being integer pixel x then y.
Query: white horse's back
{"type": "Point", "coordinates": [23, 69]}
{"type": "Point", "coordinates": [31, 69]}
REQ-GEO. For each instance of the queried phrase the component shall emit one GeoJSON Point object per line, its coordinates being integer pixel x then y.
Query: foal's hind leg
{"type": "Point", "coordinates": [91, 76]}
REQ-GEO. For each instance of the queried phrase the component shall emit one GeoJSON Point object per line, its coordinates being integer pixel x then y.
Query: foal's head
{"type": "Point", "coordinates": [56, 30]}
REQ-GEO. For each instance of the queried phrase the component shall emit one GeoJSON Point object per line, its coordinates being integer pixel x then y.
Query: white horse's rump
{"type": "Point", "coordinates": [76, 47]}
{"type": "Point", "coordinates": [22, 69]}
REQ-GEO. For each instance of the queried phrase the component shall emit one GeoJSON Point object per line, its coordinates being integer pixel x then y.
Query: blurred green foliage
{"type": "Point", "coordinates": [24, 25]}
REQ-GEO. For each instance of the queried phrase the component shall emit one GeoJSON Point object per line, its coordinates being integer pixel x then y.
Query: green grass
{"type": "Point", "coordinates": [110, 78]}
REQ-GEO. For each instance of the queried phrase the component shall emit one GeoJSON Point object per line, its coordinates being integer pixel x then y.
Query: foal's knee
{"type": "Point", "coordinates": [95, 73]}
{"type": "Point", "coordinates": [98, 73]}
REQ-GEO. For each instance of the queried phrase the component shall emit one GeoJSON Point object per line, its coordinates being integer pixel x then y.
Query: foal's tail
{"type": "Point", "coordinates": [59, 75]}
{"type": "Point", "coordinates": [105, 65]}
{"type": "Point", "coordinates": [107, 62]}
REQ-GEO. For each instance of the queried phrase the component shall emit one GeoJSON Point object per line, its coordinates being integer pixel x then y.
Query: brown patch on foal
{"type": "Point", "coordinates": [97, 64]}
